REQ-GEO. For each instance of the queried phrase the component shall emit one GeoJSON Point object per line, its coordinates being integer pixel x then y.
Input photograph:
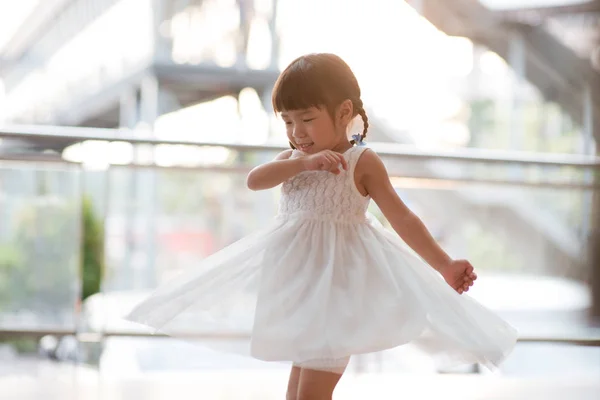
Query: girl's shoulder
{"type": "Point", "coordinates": [366, 164]}
{"type": "Point", "coordinates": [364, 155]}
{"type": "Point", "coordinates": [368, 161]}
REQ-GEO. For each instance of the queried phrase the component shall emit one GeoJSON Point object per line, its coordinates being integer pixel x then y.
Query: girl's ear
{"type": "Point", "coordinates": [345, 112]}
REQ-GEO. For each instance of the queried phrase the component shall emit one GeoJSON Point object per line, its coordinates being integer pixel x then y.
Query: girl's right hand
{"type": "Point", "coordinates": [459, 274]}
{"type": "Point", "coordinates": [325, 160]}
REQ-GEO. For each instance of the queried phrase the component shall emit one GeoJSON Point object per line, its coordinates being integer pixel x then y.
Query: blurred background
{"type": "Point", "coordinates": [127, 128]}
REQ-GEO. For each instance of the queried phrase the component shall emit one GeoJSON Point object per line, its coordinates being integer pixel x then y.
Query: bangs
{"type": "Point", "coordinates": [299, 87]}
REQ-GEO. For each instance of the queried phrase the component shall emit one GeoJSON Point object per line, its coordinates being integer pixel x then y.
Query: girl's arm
{"type": "Point", "coordinates": [372, 176]}
{"type": "Point", "coordinates": [273, 173]}
{"type": "Point", "coordinates": [373, 179]}
{"type": "Point", "coordinates": [283, 168]}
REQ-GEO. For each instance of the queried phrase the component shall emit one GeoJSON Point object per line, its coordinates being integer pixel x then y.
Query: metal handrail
{"type": "Point", "coordinates": [97, 336]}
{"type": "Point", "coordinates": [78, 134]}
{"type": "Point", "coordinates": [400, 178]}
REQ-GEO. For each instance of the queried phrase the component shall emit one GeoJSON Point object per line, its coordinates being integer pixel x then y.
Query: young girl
{"type": "Point", "coordinates": [322, 282]}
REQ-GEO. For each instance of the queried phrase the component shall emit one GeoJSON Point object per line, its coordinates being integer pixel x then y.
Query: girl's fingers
{"type": "Point", "coordinates": [325, 163]}
{"type": "Point", "coordinates": [332, 160]}
{"type": "Point", "coordinates": [334, 165]}
{"type": "Point", "coordinates": [343, 162]}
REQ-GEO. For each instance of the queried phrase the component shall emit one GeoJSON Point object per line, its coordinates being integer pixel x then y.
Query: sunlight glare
{"type": "Point", "coordinates": [12, 16]}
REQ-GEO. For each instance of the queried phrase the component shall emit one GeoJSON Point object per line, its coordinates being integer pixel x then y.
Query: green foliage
{"type": "Point", "coordinates": [22, 345]}
{"type": "Point", "coordinates": [92, 251]}
{"type": "Point", "coordinates": [9, 259]}
{"type": "Point", "coordinates": [41, 264]}
{"type": "Point", "coordinates": [37, 266]}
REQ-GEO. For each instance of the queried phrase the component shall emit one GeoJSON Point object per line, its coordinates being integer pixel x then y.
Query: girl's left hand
{"type": "Point", "coordinates": [459, 274]}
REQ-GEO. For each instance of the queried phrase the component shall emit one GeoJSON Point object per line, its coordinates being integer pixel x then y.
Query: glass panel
{"type": "Point", "coordinates": [523, 239]}
{"type": "Point", "coordinates": [39, 246]}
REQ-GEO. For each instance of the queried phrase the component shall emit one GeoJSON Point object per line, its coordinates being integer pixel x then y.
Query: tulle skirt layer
{"type": "Point", "coordinates": [316, 291]}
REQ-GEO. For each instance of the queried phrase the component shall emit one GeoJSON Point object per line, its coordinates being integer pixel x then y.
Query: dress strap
{"type": "Point", "coordinates": [352, 156]}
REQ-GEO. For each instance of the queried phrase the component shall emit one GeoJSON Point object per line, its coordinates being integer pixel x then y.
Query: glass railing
{"type": "Point", "coordinates": [150, 216]}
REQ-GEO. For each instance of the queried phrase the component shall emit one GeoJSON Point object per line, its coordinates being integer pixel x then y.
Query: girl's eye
{"type": "Point", "coordinates": [288, 122]}
{"type": "Point", "coordinates": [308, 120]}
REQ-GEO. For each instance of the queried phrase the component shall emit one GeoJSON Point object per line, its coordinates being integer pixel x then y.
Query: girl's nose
{"type": "Point", "coordinates": [299, 132]}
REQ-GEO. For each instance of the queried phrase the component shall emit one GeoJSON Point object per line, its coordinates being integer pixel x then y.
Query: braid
{"type": "Point", "coordinates": [363, 114]}
{"type": "Point", "coordinates": [365, 119]}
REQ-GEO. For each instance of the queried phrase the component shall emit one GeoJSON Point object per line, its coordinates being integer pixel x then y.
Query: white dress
{"type": "Point", "coordinates": [323, 282]}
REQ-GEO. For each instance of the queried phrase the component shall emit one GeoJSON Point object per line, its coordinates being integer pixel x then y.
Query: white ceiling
{"type": "Point", "coordinates": [12, 15]}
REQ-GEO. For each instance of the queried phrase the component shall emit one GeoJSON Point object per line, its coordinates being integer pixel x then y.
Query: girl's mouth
{"type": "Point", "coordinates": [304, 146]}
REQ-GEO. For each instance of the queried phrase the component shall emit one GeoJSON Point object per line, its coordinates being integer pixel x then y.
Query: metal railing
{"type": "Point", "coordinates": [56, 134]}
{"type": "Point", "coordinates": [231, 335]}
{"type": "Point", "coordinates": [583, 165]}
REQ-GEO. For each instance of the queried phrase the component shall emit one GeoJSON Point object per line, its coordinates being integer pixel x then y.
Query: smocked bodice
{"type": "Point", "coordinates": [324, 195]}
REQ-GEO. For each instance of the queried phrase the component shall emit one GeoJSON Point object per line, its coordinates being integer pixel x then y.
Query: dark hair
{"type": "Point", "coordinates": [317, 80]}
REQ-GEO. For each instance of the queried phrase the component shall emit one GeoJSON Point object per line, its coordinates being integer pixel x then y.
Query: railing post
{"type": "Point", "coordinates": [162, 46]}
{"type": "Point", "coordinates": [594, 258]}
{"type": "Point", "coordinates": [589, 125]}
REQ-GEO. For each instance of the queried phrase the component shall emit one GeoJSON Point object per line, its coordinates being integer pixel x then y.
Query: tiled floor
{"type": "Point", "coordinates": [52, 382]}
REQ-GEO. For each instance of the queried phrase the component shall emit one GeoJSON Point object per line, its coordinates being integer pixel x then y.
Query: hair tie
{"type": "Point", "coordinates": [358, 139]}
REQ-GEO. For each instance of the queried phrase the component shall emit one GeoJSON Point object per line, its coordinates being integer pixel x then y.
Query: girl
{"type": "Point", "coordinates": [323, 282]}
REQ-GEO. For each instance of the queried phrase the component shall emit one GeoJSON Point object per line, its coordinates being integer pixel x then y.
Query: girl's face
{"type": "Point", "coordinates": [312, 130]}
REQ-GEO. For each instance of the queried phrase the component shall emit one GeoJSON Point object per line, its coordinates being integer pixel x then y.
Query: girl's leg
{"type": "Point", "coordinates": [317, 385]}
{"type": "Point", "coordinates": [293, 383]}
